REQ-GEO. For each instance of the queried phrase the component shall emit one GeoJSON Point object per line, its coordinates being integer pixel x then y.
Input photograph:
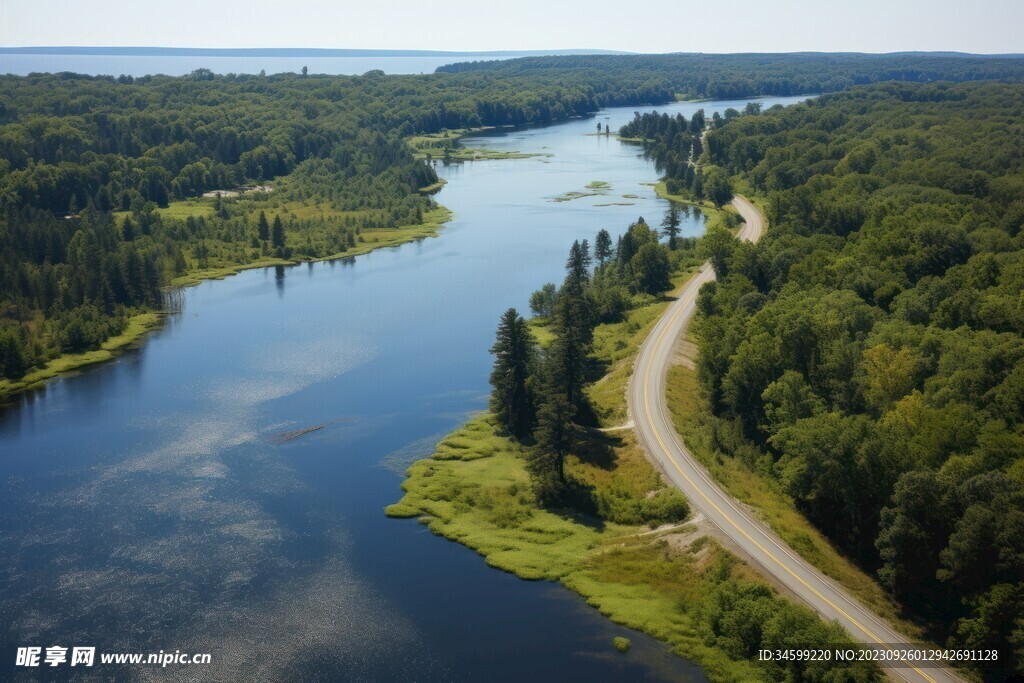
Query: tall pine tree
{"type": "Point", "coordinates": [277, 233]}
{"type": "Point", "coordinates": [510, 394]}
{"type": "Point", "coordinates": [603, 247]}
{"type": "Point", "coordinates": [553, 439]}
{"type": "Point", "coordinates": [671, 224]}
{"type": "Point", "coordinates": [262, 226]}
{"type": "Point", "coordinates": [573, 327]}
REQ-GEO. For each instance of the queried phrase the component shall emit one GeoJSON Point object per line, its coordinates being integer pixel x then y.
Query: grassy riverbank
{"type": "Point", "coordinates": [371, 239]}
{"type": "Point", "coordinates": [218, 269]}
{"type": "Point", "coordinates": [137, 326]}
{"type": "Point", "coordinates": [704, 205]}
{"type": "Point", "coordinates": [434, 188]}
{"type": "Point", "coordinates": [446, 146]}
{"type": "Point", "coordinates": [670, 580]}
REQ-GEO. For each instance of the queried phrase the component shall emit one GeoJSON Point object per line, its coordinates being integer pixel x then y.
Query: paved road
{"type": "Point", "coordinates": [653, 424]}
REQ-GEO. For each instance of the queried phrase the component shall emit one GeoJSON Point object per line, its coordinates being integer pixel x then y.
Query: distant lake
{"type": "Point", "coordinates": [177, 65]}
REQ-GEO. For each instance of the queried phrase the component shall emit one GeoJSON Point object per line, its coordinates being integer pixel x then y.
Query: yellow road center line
{"type": "Point", "coordinates": [728, 518]}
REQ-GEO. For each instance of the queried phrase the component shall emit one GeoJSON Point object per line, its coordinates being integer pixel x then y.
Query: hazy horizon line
{"type": "Point", "coordinates": [110, 50]}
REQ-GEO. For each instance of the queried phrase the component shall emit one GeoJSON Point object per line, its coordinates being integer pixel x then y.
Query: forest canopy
{"type": "Point", "coordinates": [725, 76]}
{"type": "Point", "coordinates": [99, 175]}
{"type": "Point", "coordinates": [867, 354]}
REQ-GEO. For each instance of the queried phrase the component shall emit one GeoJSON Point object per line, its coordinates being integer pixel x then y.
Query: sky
{"type": "Point", "coordinates": [984, 26]}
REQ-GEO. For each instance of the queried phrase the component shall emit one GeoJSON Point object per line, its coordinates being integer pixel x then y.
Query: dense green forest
{"type": "Point", "coordinates": [95, 171]}
{"type": "Point", "coordinates": [867, 354]}
{"type": "Point", "coordinates": [97, 174]}
{"type": "Point", "coordinates": [727, 76]}
{"type": "Point", "coordinates": [546, 402]}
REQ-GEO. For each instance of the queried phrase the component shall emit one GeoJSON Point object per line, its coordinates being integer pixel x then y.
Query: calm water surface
{"type": "Point", "coordinates": [150, 504]}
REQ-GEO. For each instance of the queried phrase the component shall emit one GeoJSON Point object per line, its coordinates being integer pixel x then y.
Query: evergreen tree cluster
{"type": "Point", "coordinates": [69, 284]}
{"type": "Point", "coordinates": [538, 395]}
{"type": "Point", "coordinates": [676, 146]}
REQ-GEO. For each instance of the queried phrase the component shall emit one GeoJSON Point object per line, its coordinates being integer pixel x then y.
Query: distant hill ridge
{"type": "Point", "coordinates": [142, 51]}
{"type": "Point", "coordinates": [730, 76]}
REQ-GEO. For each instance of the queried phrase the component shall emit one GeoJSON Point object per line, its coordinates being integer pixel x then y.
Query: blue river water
{"type": "Point", "coordinates": [155, 503]}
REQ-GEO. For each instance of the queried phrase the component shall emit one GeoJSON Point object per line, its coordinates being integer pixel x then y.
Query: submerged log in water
{"type": "Point", "coordinates": [285, 437]}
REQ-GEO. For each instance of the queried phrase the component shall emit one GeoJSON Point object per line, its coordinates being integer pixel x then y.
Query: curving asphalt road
{"type": "Point", "coordinates": [653, 425]}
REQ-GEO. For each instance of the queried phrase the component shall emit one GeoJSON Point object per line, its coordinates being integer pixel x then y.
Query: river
{"type": "Point", "coordinates": [155, 503]}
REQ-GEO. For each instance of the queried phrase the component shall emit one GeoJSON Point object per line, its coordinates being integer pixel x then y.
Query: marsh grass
{"type": "Point", "coordinates": [542, 332]}
{"type": "Point", "coordinates": [667, 582]}
{"type": "Point", "coordinates": [179, 210]}
{"type": "Point", "coordinates": [639, 579]}
{"type": "Point", "coordinates": [379, 238]}
{"type": "Point", "coordinates": [219, 267]}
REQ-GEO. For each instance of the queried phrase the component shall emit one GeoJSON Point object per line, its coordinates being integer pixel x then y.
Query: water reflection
{"type": "Point", "coordinates": [279, 280]}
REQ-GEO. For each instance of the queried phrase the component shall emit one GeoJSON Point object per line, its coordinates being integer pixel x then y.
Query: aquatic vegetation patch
{"type": "Point", "coordinates": [594, 188]}
{"type": "Point", "coordinates": [399, 461]}
{"type": "Point", "coordinates": [575, 194]}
